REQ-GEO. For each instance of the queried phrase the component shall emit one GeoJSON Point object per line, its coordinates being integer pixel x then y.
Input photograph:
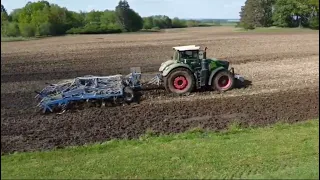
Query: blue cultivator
{"type": "Point", "coordinates": [60, 96]}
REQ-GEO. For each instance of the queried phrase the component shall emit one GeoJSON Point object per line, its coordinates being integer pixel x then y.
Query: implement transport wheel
{"type": "Point", "coordinates": [179, 81]}
{"type": "Point", "coordinates": [128, 94]}
{"type": "Point", "coordinates": [223, 81]}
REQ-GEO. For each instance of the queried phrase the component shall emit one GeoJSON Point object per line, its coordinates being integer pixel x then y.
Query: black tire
{"type": "Point", "coordinates": [223, 81]}
{"type": "Point", "coordinates": [128, 94]}
{"type": "Point", "coordinates": [176, 76]}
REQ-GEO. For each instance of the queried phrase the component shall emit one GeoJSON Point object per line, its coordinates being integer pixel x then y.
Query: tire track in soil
{"type": "Point", "coordinates": [34, 132]}
{"type": "Point", "coordinates": [39, 71]}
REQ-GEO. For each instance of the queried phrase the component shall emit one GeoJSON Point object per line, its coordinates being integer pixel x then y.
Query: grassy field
{"type": "Point", "coordinates": [280, 151]}
{"type": "Point", "coordinates": [11, 39]}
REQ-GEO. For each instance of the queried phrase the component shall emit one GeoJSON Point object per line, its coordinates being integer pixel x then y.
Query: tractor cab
{"type": "Point", "coordinates": [182, 53]}
{"type": "Point", "coordinates": [190, 55]}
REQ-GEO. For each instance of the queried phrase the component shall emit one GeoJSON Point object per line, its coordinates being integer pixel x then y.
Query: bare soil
{"type": "Point", "coordinates": [282, 71]}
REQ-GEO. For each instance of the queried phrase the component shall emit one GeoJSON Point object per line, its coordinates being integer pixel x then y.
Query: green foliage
{"type": "Point", "coordinates": [256, 13]}
{"type": "Point", "coordinates": [164, 22]}
{"type": "Point", "coordinates": [127, 18]}
{"type": "Point", "coordinates": [93, 17]}
{"type": "Point", "coordinates": [292, 13]}
{"type": "Point", "coordinates": [281, 13]}
{"type": "Point", "coordinates": [148, 23]}
{"type": "Point", "coordinates": [42, 18]}
{"type": "Point", "coordinates": [10, 29]}
{"type": "Point", "coordinates": [4, 14]}
{"type": "Point", "coordinates": [314, 22]}
{"type": "Point", "coordinates": [177, 23]}
{"type": "Point", "coordinates": [27, 30]}
{"type": "Point", "coordinates": [192, 23]}
{"type": "Point", "coordinates": [45, 29]}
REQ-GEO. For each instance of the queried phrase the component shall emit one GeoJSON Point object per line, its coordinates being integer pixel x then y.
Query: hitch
{"type": "Point", "coordinates": [232, 71]}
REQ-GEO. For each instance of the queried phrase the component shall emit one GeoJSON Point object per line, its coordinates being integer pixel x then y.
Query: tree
{"type": "Point", "coordinates": [148, 23]}
{"type": "Point", "coordinates": [167, 22]}
{"type": "Point", "coordinates": [4, 21]}
{"type": "Point", "coordinates": [266, 7]}
{"type": "Point", "coordinates": [314, 19]}
{"type": "Point", "coordinates": [108, 21]}
{"type": "Point", "coordinates": [192, 23]}
{"type": "Point", "coordinates": [93, 17]}
{"type": "Point", "coordinates": [247, 15]}
{"type": "Point", "coordinates": [15, 15]}
{"type": "Point", "coordinates": [177, 23]}
{"type": "Point", "coordinates": [293, 13]}
{"type": "Point", "coordinates": [108, 17]}
{"type": "Point", "coordinates": [127, 18]}
{"type": "Point", "coordinates": [27, 30]}
{"type": "Point", "coordinates": [136, 22]}
{"type": "Point", "coordinates": [4, 14]}
{"type": "Point", "coordinates": [122, 14]}
{"type": "Point", "coordinates": [12, 29]}
{"type": "Point", "coordinates": [256, 13]}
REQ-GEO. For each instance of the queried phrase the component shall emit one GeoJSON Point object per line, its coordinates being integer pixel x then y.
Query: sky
{"type": "Point", "coordinates": [190, 9]}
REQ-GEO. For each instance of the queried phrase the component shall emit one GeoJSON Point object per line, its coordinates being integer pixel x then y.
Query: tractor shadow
{"type": "Point", "coordinates": [237, 85]}
{"type": "Point", "coordinates": [242, 85]}
{"type": "Point", "coordinates": [147, 91]}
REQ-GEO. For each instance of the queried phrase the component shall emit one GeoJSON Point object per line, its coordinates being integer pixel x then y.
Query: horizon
{"type": "Point", "coordinates": [220, 10]}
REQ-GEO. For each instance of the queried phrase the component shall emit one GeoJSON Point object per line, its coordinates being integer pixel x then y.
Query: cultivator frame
{"type": "Point", "coordinates": [90, 88]}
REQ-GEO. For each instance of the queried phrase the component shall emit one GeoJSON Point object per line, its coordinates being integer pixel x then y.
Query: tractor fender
{"type": "Point", "coordinates": [169, 68]}
{"type": "Point", "coordinates": [214, 72]}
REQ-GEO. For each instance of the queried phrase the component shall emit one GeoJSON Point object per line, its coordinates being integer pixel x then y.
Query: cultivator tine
{"type": "Point", "coordinates": [103, 104]}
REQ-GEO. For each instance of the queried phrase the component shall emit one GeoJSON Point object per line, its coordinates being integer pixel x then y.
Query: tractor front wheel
{"type": "Point", "coordinates": [179, 81]}
{"type": "Point", "coordinates": [223, 81]}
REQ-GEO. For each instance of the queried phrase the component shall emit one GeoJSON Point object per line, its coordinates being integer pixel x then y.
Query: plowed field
{"type": "Point", "coordinates": [282, 68]}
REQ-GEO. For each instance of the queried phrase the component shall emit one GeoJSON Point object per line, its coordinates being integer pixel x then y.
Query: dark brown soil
{"type": "Point", "coordinates": [27, 132]}
{"type": "Point", "coordinates": [24, 65]}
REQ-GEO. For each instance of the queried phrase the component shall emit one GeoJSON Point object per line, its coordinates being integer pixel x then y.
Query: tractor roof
{"type": "Point", "coordinates": [186, 48]}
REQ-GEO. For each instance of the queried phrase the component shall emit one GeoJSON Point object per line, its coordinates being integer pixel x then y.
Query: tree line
{"type": "Point", "coordinates": [281, 13]}
{"type": "Point", "coordinates": [45, 19]}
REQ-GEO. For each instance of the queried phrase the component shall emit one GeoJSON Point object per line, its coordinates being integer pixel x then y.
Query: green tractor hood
{"type": "Point", "coordinates": [214, 63]}
{"type": "Point", "coordinates": [166, 64]}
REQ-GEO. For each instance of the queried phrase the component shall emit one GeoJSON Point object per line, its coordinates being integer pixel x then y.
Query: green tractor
{"type": "Point", "coordinates": [189, 69]}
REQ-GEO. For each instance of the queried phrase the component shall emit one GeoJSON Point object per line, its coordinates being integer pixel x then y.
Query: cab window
{"type": "Point", "coordinates": [189, 55]}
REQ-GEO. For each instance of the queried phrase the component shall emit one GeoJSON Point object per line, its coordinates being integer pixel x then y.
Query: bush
{"type": "Point", "coordinates": [45, 29]}
{"type": "Point", "coordinates": [10, 30]}
{"type": "Point", "coordinates": [155, 28]}
{"type": "Point", "coordinates": [192, 23]}
{"type": "Point", "coordinates": [314, 23]}
{"type": "Point", "coordinates": [93, 29]}
{"type": "Point", "coordinates": [247, 26]}
{"type": "Point", "coordinates": [27, 30]}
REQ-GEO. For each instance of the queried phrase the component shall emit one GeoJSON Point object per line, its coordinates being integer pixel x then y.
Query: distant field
{"type": "Point", "coordinates": [276, 29]}
{"type": "Point", "coordinates": [9, 39]}
{"type": "Point", "coordinates": [280, 152]}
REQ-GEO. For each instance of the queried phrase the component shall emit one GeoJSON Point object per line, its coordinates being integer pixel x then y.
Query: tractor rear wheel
{"type": "Point", "coordinates": [223, 81]}
{"type": "Point", "coordinates": [179, 81]}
